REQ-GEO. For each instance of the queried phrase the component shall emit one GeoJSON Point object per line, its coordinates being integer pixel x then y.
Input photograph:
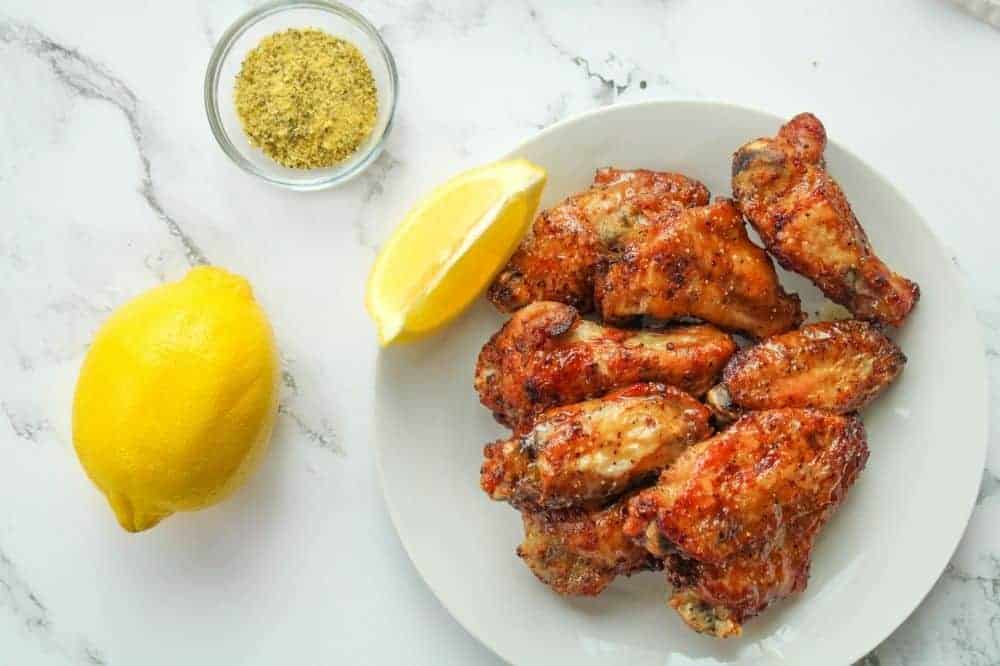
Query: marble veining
{"type": "Point", "coordinates": [24, 428]}
{"type": "Point", "coordinates": [17, 598]}
{"type": "Point", "coordinates": [92, 80]}
{"type": "Point", "coordinates": [111, 183]}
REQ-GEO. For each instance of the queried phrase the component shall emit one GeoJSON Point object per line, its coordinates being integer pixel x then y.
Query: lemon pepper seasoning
{"type": "Point", "coordinates": [306, 98]}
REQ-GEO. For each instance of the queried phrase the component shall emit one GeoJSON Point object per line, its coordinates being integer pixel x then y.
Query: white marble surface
{"type": "Point", "coordinates": [111, 182]}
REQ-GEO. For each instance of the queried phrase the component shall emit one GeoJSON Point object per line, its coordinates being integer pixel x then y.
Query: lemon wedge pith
{"type": "Point", "coordinates": [177, 397]}
{"type": "Point", "coordinates": [450, 246]}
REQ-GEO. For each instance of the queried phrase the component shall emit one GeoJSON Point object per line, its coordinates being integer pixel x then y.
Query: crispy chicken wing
{"type": "Point", "coordinates": [579, 551]}
{"type": "Point", "coordinates": [546, 356]}
{"type": "Point", "coordinates": [595, 449]}
{"type": "Point", "coordinates": [736, 515]}
{"type": "Point", "coordinates": [716, 599]}
{"type": "Point", "coordinates": [556, 261]}
{"type": "Point", "coordinates": [805, 221]}
{"type": "Point", "coordinates": [839, 366]}
{"type": "Point", "coordinates": [699, 263]}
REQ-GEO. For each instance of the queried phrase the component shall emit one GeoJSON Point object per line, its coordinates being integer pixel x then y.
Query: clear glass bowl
{"type": "Point", "coordinates": [244, 35]}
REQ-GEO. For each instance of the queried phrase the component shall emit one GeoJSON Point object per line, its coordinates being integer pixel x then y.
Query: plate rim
{"type": "Point", "coordinates": [942, 555]}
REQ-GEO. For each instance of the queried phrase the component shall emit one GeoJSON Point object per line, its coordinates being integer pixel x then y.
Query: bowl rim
{"type": "Point", "coordinates": [214, 69]}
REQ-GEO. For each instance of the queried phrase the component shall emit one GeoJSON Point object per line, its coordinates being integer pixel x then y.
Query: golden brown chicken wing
{"type": "Point", "coordinates": [716, 599]}
{"type": "Point", "coordinates": [579, 551]}
{"type": "Point", "coordinates": [736, 515]}
{"type": "Point", "coordinates": [805, 221]}
{"type": "Point", "coordinates": [699, 263]}
{"type": "Point", "coordinates": [546, 356]}
{"type": "Point", "coordinates": [567, 242]}
{"type": "Point", "coordinates": [595, 449]}
{"type": "Point", "coordinates": [839, 366]}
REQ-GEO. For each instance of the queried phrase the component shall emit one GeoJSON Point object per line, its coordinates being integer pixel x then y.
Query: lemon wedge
{"type": "Point", "coordinates": [450, 246]}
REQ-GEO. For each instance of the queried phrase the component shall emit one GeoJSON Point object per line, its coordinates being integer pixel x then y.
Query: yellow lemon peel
{"type": "Point", "coordinates": [449, 248]}
{"type": "Point", "coordinates": [177, 397]}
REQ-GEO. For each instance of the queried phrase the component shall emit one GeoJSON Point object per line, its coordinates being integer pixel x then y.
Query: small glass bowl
{"type": "Point", "coordinates": [244, 35]}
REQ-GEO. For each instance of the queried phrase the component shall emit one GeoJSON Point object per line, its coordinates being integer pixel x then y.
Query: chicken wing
{"type": "Point", "coordinates": [805, 221]}
{"type": "Point", "coordinates": [557, 259]}
{"type": "Point", "coordinates": [839, 366]}
{"type": "Point", "coordinates": [716, 599]}
{"type": "Point", "coordinates": [735, 516]}
{"type": "Point", "coordinates": [699, 263]}
{"type": "Point", "coordinates": [595, 449]}
{"type": "Point", "coordinates": [579, 551]}
{"type": "Point", "coordinates": [546, 356]}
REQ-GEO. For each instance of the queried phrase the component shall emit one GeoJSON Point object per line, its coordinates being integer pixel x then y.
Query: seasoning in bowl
{"type": "Point", "coordinates": [306, 98]}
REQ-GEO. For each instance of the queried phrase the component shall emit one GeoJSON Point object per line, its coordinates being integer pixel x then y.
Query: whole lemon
{"type": "Point", "coordinates": [177, 397]}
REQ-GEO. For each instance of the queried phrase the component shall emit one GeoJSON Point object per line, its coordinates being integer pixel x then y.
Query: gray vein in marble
{"type": "Point", "coordinates": [92, 80]}
{"type": "Point", "coordinates": [374, 180]}
{"type": "Point", "coordinates": [375, 176]}
{"type": "Point", "coordinates": [871, 659]}
{"type": "Point", "coordinates": [993, 581]}
{"type": "Point", "coordinates": [609, 83]}
{"type": "Point", "coordinates": [611, 87]}
{"type": "Point", "coordinates": [989, 487]}
{"type": "Point", "coordinates": [25, 606]}
{"type": "Point", "coordinates": [324, 439]}
{"type": "Point", "coordinates": [23, 428]}
{"type": "Point", "coordinates": [288, 379]}
{"type": "Point", "coordinates": [78, 306]}
{"type": "Point", "coordinates": [968, 640]}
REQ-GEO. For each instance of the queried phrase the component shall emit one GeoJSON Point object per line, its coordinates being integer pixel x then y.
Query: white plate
{"type": "Point", "coordinates": [873, 563]}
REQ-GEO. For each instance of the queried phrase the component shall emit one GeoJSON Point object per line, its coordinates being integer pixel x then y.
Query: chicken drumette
{"type": "Point", "coordinates": [594, 450]}
{"type": "Point", "coordinates": [698, 263]}
{"type": "Point", "coordinates": [568, 242]}
{"type": "Point", "coordinates": [805, 221]}
{"type": "Point", "coordinates": [546, 356]}
{"type": "Point", "coordinates": [579, 551]}
{"type": "Point", "coordinates": [735, 516]}
{"type": "Point", "coordinates": [839, 366]}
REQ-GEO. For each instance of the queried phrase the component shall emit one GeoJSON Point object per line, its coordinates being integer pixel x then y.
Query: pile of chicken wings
{"type": "Point", "coordinates": [670, 447]}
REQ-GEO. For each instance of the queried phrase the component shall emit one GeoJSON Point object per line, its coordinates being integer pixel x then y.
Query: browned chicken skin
{"type": "Point", "coordinates": [716, 599]}
{"type": "Point", "coordinates": [594, 450]}
{"type": "Point", "coordinates": [579, 551]}
{"type": "Point", "coordinates": [735, 516]}
{"type": "Point", "coordinates": [566, 244]}
{"type": "Point", "coordinates": [839, 366]}
{"type": "Point", "coordinates": [805, 221]}
{"type": "Point", "coordinates": [546, 356]}
{"type": "Point", "coordinates": [699, 263]}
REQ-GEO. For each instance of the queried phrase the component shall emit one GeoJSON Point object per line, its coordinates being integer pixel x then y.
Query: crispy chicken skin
{"type": "Point", "coordinates": [594, 450]}
{"type": "Point", "coordinates": [805, 221]}
{"type": "Point", "coordinates": [546, 356]}
{"type": "Point", "coordinates": [716, 599]}
{"type": "Point", "coordinates": [579, 551]}
{"type": "Point", "coordinates": [735, 516]}
{"type": "Point", "coordinates": [566, 243]}
{"type": "Point", "coordinates": [839, 366]}
{"type": "Point", "coordinates": [699, 263]}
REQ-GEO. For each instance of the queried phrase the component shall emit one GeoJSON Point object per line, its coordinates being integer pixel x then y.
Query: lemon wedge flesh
{"type": "Point", "coordinates": [450, 246]}
{"type": "Point", "coordinates": [177, 397]}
